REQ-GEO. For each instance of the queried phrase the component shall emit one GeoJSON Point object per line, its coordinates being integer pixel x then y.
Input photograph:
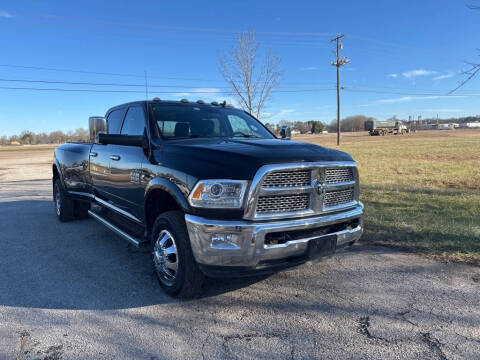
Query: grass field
{"type": "Point", "coordinates": [421, 191]}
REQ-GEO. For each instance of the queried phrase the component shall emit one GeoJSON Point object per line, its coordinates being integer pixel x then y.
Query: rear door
{"type": "Point", "coordinates": [126, 184]}
{"type": "Point", "coordinates": [100, 157]}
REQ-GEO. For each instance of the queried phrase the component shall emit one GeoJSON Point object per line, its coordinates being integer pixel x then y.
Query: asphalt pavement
{"type": "Point", "coordinates": [77, 291]}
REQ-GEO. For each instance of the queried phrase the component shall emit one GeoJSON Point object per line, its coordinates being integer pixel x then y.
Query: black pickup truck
{"type": "Point", "coordinates": [209, 189]}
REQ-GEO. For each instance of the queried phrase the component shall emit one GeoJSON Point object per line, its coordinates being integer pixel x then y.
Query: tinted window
{"type": "Point", "coordinates": [114, 121]}
{"type": "Point", "coordinates": [184, 121]}
{"type": "Point", "coordinates": [242, 126]}
{"type": "Point", "coordinates": [134, 123]}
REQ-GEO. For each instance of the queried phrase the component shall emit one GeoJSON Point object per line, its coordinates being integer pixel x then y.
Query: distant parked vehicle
{"type": "Point", "coordinates": [388, 127]}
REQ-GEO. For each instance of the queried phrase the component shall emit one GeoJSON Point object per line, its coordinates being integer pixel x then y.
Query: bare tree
{"type": "Point", "coordinates": [469, 74]}
{"type": "Point", "coordinates": [81, 134]}
{"type": "Point", "coordinates": [474, 68]}
{"type": "Point", "coordinates": [252, 82]}
{"type": "Point", "coordinates": [27, 137]}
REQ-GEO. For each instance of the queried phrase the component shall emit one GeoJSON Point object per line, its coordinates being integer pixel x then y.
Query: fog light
{"type": "Point", "coordinates": [224, 241]}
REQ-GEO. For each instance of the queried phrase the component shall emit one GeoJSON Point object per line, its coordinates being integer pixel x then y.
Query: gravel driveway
{"type": "Point", "coordinates": [76, 291]}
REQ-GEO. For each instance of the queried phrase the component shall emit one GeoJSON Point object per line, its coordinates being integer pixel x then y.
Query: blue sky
{"type": "Point", "coordinates": [405, 56]}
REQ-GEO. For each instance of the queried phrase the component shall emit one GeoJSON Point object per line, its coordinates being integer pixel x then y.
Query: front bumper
{"type": "Point", "coordinates": [251, 250]}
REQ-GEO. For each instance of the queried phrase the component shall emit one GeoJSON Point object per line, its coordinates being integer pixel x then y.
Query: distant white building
{"type": "Point", "coordinates": [470, 125]}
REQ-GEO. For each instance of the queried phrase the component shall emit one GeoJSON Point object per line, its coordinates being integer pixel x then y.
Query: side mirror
{"type": "Point", "coordinates": [127, 140]}
{"type": "Point", "coordinates": [96, 125]}
{"type": "Point", "coordinates": [286, 133]}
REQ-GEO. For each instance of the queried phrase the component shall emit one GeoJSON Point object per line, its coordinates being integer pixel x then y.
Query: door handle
{"type": "Point", "coordinates": [114, 157]}
{"type": "Point", "coordinates": [93, 154]}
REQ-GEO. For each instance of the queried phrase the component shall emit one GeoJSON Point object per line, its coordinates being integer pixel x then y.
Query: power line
{"type": "Point", "coordinates": [83, 20]}
{"type": "Point", "coordinates": [186, 91]}
{"type": "Point", "coordinates": [101, 73]}
{"type": "Point", "coordinates": [126, 84]}
{"type": "Point", "coordinates": [195, 89]}
{"type": "Point", "coordinates": [155, 92]}
{"type": "Point", "coordinates": [133, 75]}
{"type": "Point", "coordinates": [408, 93]}
{"type": "Point", "coordinates": [356, 88]}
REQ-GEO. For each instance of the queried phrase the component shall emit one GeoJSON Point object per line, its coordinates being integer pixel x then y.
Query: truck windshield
{"type": "Point", "coordinates": [179, 121]}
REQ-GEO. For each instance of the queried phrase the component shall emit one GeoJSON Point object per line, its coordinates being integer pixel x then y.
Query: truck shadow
{"type": "Point", "coordinates": [77, 265]}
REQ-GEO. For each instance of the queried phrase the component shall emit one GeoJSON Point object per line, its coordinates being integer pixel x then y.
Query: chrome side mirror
{"type": "Point", "coordinates": [96, 125]}
{"type": "Point", "coordinates": [286, 133]}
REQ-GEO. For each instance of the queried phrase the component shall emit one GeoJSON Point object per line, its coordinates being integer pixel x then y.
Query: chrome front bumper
{"type": "Point", "coordinates": [250, 249]}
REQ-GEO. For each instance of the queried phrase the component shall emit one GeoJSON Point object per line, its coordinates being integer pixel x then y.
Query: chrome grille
{"type": "Point", "coordinates": [286, 179]}
{"type": "Point", "coordinates": [338, 175]}
{"type": "Point", "coordinates": [338, 197]}
{"type": "Point", "coordinates": [283, 203]}
{"type": "Point", "coordinates": [303, 189]}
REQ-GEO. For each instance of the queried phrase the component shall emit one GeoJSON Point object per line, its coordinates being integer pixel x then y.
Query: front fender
{"type": "Point", "coordinates": [159, 183]}
{"type": "Point", "coordinates": [56, 163]}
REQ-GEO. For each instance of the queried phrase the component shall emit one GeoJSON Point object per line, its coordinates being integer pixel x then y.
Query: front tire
{"type": "Point", "coordinates": [174, 264]}
{"type": "Point", "coordinates": [64, 207]}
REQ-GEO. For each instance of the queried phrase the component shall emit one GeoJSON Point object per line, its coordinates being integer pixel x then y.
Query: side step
{"type": "Point", "coordinates": [123, 234]}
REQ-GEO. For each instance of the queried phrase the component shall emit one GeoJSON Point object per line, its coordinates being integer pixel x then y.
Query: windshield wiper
{"type": "Point", "coordinates": [245, 136]}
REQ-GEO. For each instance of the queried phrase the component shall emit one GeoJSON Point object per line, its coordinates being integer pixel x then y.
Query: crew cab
{"type": "Point", "coordinates": [209, 189]}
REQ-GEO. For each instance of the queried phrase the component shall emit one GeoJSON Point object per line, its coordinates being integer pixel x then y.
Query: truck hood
{"type": "Point", "coordinates": [240, 158]}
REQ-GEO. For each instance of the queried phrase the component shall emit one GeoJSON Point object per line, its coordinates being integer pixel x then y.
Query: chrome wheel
{"type": "Point", "coordinates": [58, 203]}
{"type": "Point", "coordinates": [165, 257]}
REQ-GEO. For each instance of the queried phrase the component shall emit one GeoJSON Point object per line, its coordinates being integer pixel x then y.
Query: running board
{"type": "Point", "coordinates": [123, 234]}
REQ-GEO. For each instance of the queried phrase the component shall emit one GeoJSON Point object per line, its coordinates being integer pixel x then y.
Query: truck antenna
{"type": "Point", "coordinates": [146, 85]}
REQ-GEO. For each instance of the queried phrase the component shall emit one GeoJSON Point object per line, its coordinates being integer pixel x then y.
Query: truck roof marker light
{"type": "Point", "coordinates": [156, 99]}
{"type": "Point", "coordinates": [184, 101]}
{"type": "Point", "coordinates": [200, 101]}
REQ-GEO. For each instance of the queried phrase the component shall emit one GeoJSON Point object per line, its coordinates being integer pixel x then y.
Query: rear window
{"type": "Point", "coordinates": [134, 123]}
{"type": "Point", "coordinates": [114, 121]}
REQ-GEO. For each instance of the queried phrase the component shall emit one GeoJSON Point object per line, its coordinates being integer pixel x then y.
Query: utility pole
{"type": "Point", "coordinates": [339, 62]}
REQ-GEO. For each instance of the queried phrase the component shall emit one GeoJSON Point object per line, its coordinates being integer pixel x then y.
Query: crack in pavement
{"type": "Point", "coordinates": [364, 329]}
{"type": "Point", "coordinates": [24, 335]}
{"type": "Point", "coordinates": [434, 345]}
{"type": "Point", "coordinates": [250, 337]}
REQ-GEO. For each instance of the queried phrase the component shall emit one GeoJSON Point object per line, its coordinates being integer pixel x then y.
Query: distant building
{"type": "Point", "coordinates": [445, 127]}
{"type": "Point", "coordinates": [470, 125]}
{"type": "Point", "coordinates": [428, 126]}
{"type": "Point", "coordinates": [15, 143]}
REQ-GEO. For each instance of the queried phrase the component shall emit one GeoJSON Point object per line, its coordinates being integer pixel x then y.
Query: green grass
{"type": "Point", "coordinates": [421, 192]}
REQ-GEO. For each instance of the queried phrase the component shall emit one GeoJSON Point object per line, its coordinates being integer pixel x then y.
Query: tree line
{"type": "Point", "coordinates": [27, 137]}
{"type": "Point", "coordinates": [350, 123]}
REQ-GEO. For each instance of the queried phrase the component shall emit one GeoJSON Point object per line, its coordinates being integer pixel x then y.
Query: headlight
{"type": "Point", "coordinates": [219, 194]}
